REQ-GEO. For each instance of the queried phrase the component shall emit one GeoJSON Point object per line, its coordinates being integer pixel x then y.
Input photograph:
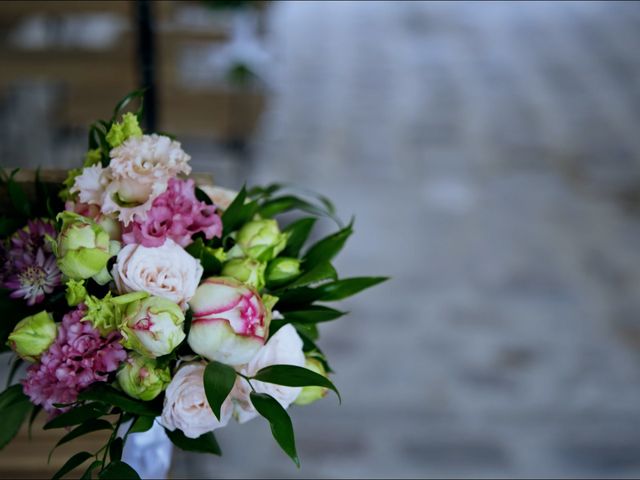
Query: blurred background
{"type": "Point", "coordinates": [491, 155]}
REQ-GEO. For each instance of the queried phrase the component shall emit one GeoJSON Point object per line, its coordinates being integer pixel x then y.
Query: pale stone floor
{"type": "Point", "coordinates": [491, 155]}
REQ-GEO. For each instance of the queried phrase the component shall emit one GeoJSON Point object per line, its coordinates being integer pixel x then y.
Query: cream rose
{"type": "Point", "coordinates": [167, 271]}
{"type": "Point", "coordinates": [139, 172]}
{"type": "Point", "coordinates": [284, 348]}
{"type": "Point", "coordinates": [186, 406]}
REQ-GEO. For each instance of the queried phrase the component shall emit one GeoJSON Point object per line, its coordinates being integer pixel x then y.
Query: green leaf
{"type": "Point", "coordinates": [298, 233]}
{"type": "Point", "coordinates": [238, 213]}
{"type": "Point", "coordinates": [115, 449]}
{"type": "Point", "coordinates": [75, 461]}
{"type": "Point", "coordinates": [293, 376]}
{"type": "Point", "coordinates": [12, 415]}
{"type": "Point", "coordinates": [106, 394]}
{"type": "Point", "coordinates": [218, 382]}
{"type": "Point", "coordinates": [322, 271]}
{"type": "Point", "coordinates": [88, 473]}
{"type": "Point", "coordinates": [210, 264]}
{"type": "Point", "coordinates": [141, 424]}
{"type": "Point", "coordinates": [122, 104]}
{"type": "Point", "coordinates": [77, 415]}
{"type": "Point", "coordinates": [281, 426]}
{"type": "Point", "coordinates": [264, 192]}
{"type": "Point", "coordinates": [346, 287]}
{"type": "Point", "coordinates": [327, 248]}
{"type": "Point", "coordinates": [18, 198]}
{"type": "Point", "coordinates": [205, 443]}
{"type": "Point", "coordinates": [313, 314]}
{"type": "Point", "coordinates": [308, 329]}
{"type": "Point", "coordinates": [11, 395]}
{"type": "Point", "coordinates": [285, 203]}
{"type": "Point", "coordinates": [92, 425]}
{"type": "Point", "coordinates": [8, 226]}
{"type": "Point", "coordinates": [34, 413]}
{"type": "Point", "coordinates": [119, 470]}
{"type": "Point", "coordinates": [203, 197]}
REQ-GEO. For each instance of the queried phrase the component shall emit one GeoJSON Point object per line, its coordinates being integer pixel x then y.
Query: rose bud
{"type": "Point", "coordinates": [83, 248]}
{"type": "Point", "coordinates": [311, 394]}
{"type": "Point", "coordinates": [247, 270]}
{"type": "Point", "coordinates": [282, 270]}
{"type": "Point", "coordinates": [230, 322]}
{"type": "Point", "coordinates": [33, 335]}
{"type": "Point", "coordinates": [152, 326]}
{"type": "Point", "coordinates": [261, 239]}
{"type": "Point", "coordinates": [141, 378]}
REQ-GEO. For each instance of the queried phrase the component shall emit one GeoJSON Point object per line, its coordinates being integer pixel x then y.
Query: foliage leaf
{"type": "Point", "coordinates": [294, 376]}
{"type": "Point", "coordinates": [298, 233]}
{"type": "Point", "coordinates": [13, 412]}
{"type": "Point", "coordinates": [210, 264]}
{"type": "Point", "coordinates": [238, 213]}
{"type": "Point", "coordinates": [104, 393]}
{"type": "Point", "coordinates": [281, 426]}
{"type": "Point", "coordinates": [115, 449]}
{"type": "Point", "coordinates": [203, 197]}
{"type": "Point", "coordinates": [77, 415]}
{"type": "Point", "coordinates": [327, 248]}
{"type": "Point", "coordinates": [119, 470]}
{"type": "Point", "coordinates": [218, 383]}
{"type": "Point", "coordinates": [346, 287]}
{"type": "Point", "coordinates": [17, 196]}
{"type": "Point", "coordinates": [313, 314]}
{"type": "Point", "coordinates": [322, 271]}
{"type": "Point", "coordinates": [205, 443]}
{"type": "Point", "coordinates": [88, 473]}
{"type": "Point", "coordinates": [75, 461]}
{"type": "Point", "coordinates": [141, 424]}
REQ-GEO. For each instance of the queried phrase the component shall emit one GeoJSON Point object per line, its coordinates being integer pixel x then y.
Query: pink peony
{"type": "Point", "coordinates": [176, 214]}
{"type": "Point", "coordinates": [78, 358]}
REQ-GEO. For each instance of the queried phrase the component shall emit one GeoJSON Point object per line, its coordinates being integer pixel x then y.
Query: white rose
{"type": "Point", "coordinates": [284, 348]}
{"type": "Point", "coordinates": [139, 172]}
{"type": "Point", "coordinates": [186, 406]}
{"type": "Point", "coordinates": [167, 271]}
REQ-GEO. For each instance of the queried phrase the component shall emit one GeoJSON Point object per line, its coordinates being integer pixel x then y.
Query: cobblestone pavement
{"type": "Point", "coordinates": [491, 156]}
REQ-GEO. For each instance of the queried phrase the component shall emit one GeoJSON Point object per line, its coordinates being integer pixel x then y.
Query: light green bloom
{"type": "Point", "coordinates": [152, 326]}
{"type": "Point", "coordinates": [92, 157]}
{"type": "Point", "coordinates": [103, 313]}
{"type": "Point", "coordinates": [83, 248]}
{"type": "Point", "coordinates": [121, 131]}
{"type": "Point", "coordinates": [76, 292]}
{"type": "Point", "coordinates": [261, 239]}
{"type": "Point", "coordinates": [247, 270]}
{"type": "Point", "coordinates": [33, 335]}
{"type": "Point", "coordinates": [311, 394]}
{"type": "Point", "coordinates": [281, 270]}
{"type": "Point", "coordinates": [141, 378]}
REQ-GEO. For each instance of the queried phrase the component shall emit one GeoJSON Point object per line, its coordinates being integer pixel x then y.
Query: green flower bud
{"type": "Point", "coordinates": [83, 247]}
{"type": "Point", "coordinates": [282, 270]}
{"type": "Point", "coordinates": [103, 313]}
{"type": "Point", "coordinates": [311, 394]}
{"type": "Point", "coordinates": [76, 292]}
{"type": "Point", "coordinates": [121, 131]}
{"type": "Point", "coordinates": [152, 326]}
{"type": "Point", "coordinates": [92, 157]}
{"type": "Point", "coordinates": [141, 378]}
{"type": "Point", "coordinates": [247, 270]}
{"type": "Point", "coordinates": [261, 239]}
{"type": "Point", "coordinates": [33, 335]}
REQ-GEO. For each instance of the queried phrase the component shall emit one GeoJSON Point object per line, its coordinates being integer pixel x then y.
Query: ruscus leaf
{"type": "Point", "coordinates": [218, 382]}
{"type": "Point", "coordinates": [294, 376]}
{"type": "Point", "coordinates": [119, 470]}
{"type": "Point", "coordinates": [205, 443]}
{"type": "Point", "coordinates": [279, 421]}
{"type": "Point", "coordinates": [75, 461]}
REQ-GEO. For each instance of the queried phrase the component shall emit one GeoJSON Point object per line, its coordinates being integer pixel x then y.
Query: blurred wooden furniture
{"type": "Point", "coordinates": [92, 79]}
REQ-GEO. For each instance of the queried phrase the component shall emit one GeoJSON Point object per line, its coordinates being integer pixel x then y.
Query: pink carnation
{"type": "Point", "coordinates": [176, 214]}
{"type": "Point", "coordinates": [78, 358]}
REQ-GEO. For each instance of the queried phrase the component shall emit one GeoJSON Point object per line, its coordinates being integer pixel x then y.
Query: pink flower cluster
{"type": "Point", "coordinates": [176, 214]}
{"type": "Point", "coordinates": [78, 358]}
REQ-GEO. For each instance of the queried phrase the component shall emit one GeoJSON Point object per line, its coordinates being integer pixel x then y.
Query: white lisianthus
{"type": "Point", "coordinates": [139, 172]}
{"type": "Point", "coordinates": [167, 271]}
{"type": "Point", "coordinates": [284, 348]}
{"type": "Point", "coordinates": [90, 185]}
{"type": "Point", "coordinates": [186, 406]}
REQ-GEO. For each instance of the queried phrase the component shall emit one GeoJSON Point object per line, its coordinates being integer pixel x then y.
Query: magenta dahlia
{"type": "Point", "coordinates": [78, 358]}
{"type": "Point", "coordinates": [30, 269]}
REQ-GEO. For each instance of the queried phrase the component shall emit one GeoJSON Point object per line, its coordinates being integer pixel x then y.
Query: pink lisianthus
{"type": "Point", "coordinates": [78, 358]}
{"type": "Point", "coordinates": [176, 214]}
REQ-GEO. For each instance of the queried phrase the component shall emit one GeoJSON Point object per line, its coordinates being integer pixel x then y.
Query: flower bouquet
{"type": "Point", "coordinates": [138, 298]}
